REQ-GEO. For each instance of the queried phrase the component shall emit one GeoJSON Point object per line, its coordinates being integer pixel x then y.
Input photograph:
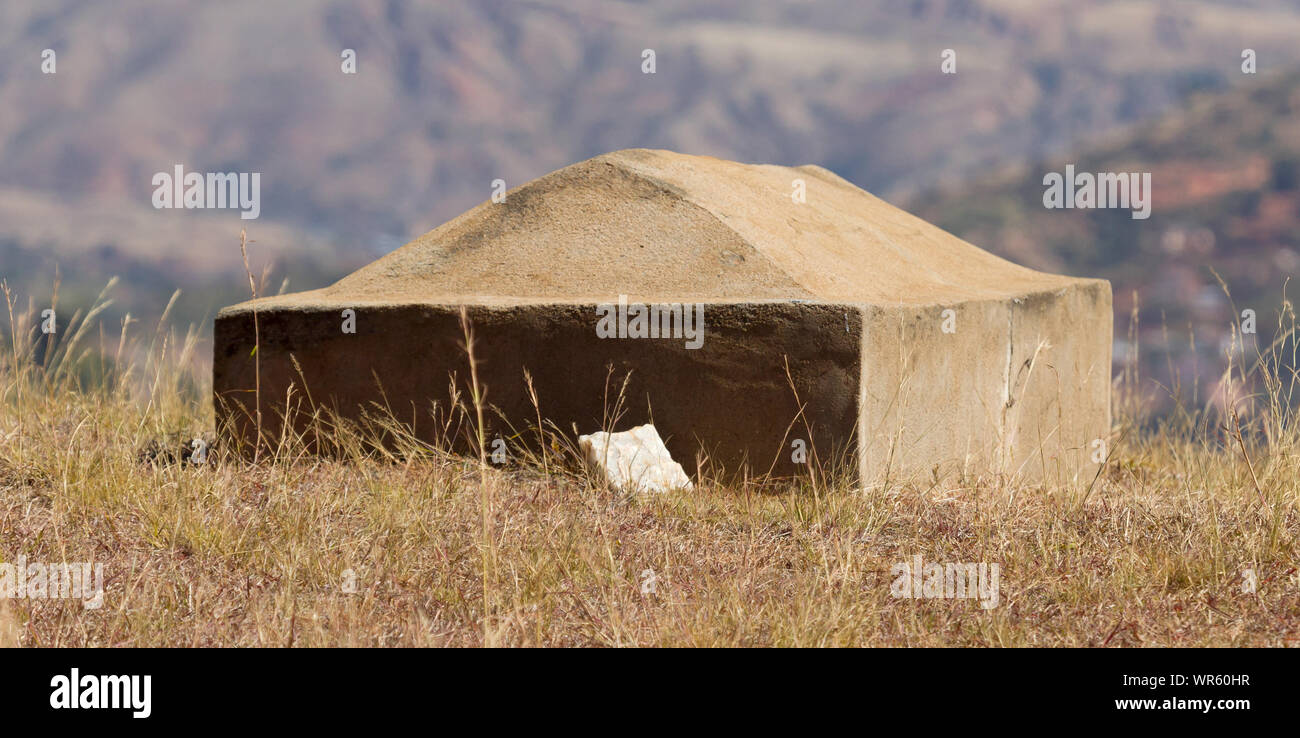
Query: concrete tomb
{"type": "Point", "coordinates": [764, 318]}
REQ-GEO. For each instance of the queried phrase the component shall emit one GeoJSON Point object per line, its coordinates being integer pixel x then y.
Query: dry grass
{"type": "Point", "coordinates": [447, 550]}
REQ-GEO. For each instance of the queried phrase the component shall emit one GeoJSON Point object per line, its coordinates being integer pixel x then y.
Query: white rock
{"type": "Point", "coordinates": [634, 460]}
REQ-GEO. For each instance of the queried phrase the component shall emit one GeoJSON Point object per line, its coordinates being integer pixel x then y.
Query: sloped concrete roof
{"type": "Point", "coordinates": [661, 226]}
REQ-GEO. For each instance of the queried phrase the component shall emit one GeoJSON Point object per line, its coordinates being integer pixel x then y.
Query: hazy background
{"type": "Point", "coordinates": [451, 95]}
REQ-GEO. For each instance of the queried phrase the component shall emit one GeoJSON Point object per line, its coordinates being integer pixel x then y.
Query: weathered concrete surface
{"type": "Point", "coordinates": [844, 290]}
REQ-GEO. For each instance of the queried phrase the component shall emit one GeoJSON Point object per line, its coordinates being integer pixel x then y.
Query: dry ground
{"type": "Point", "coordinates": [232, 554]}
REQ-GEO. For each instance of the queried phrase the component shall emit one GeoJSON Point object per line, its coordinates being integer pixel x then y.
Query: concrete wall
{"type": "Point", "coordinates": [1020, 387]}
{"type": "Point", "coordinates": [729, 400]}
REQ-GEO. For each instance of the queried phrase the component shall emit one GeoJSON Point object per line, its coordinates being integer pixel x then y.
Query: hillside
{"type": "Point", "coordinates": [1225, 176]}
{"type": "Point", "coordinates": [450, 96]}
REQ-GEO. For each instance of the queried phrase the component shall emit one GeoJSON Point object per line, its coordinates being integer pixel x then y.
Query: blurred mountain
{"type": "Point", "coordinates": [450, 96]}
{"type": "Point", "coordinates": [1225, 201]}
